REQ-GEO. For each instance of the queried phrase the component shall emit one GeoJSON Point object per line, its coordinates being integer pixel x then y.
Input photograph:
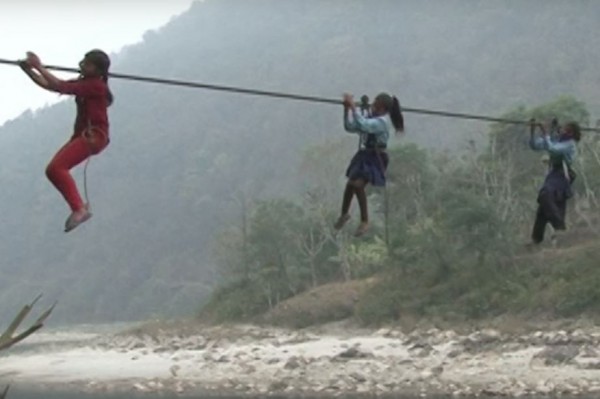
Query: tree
{"type": "Point", "coordinates": [313, 237]}
{"type": "Point", "coordinates": [272, 250]}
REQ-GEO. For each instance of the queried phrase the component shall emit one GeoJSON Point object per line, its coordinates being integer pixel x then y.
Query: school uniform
{"type": "Point", "coordinates": [371, 160]}
{"type": "Point", "coordinates": [556, 189]}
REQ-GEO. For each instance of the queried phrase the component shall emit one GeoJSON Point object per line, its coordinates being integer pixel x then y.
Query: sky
{"type": "Point", "coordinates": [62, 31]}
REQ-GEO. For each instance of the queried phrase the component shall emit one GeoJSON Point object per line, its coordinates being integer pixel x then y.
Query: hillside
{"type": "Point", "coordinates": [180, 159]}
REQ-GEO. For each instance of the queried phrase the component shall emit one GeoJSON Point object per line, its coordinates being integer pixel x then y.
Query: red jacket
{"type": "Point", "coordinates": [91, 97]}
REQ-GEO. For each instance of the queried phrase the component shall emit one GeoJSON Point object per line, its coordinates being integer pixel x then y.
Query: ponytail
{"type": "Point", "coordinates": [101, 61]}
{"type": "Point", "coordinates": [575, 130]}
{"type": "Point", "coordinates": [392, 106]}
{"type": "Point", "coordinates": [396, 115]}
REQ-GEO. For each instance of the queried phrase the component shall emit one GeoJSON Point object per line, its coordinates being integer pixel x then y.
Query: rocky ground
{"type": "Point", "coordinates": [333, 360]}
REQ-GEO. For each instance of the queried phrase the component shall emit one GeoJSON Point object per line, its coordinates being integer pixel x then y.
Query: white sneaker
{"type": "Point", "coordinates": [78, 217]}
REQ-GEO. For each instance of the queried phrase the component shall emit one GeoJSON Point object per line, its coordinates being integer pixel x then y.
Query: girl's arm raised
{"type": "Point", "coordinates": [35, 77]}
{"type": "Point", "coordinates": [349, 125]}
{"type": "Point", "coordinates": [365, 125]}
{"type": "Point", "coordinates": [48, 81]}
{"type": "Point", "coordinates": [537, 143]}
{"type": "Point", "coordinates": [566, 148]}
{"type": "Point", "coordinates": [52, 82]}
{"type": "Point", "coordinates": [359, 123]}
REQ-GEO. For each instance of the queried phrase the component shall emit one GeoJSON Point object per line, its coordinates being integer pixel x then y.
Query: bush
{"type": "Point", "coordinates": [237, 301]}
{"type": "Point", "coordinates": [452, 228]}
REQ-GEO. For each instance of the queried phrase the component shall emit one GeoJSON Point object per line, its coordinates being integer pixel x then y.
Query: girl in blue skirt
{"type": "Point", "coordinates": [370, 162]}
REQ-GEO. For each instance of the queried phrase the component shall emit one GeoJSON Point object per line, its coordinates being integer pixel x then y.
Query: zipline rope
{"type": "Point", "coordinates": [289, 96]}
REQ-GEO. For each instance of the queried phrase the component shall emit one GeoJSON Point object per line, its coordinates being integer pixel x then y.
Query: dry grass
{"type": "Point", "coordinates": [326, 303]}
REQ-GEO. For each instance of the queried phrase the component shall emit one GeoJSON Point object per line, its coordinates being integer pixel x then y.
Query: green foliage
{"type": "Point", "coordinates": [367, 258]}
{"type": "Point", "coordinates": [455, 225]}
{"type": "Point", "coordinates": [178, 159]}
{"type": "Point", "coordinates": [382, 303]}
{"type": "Point", "coordinates": [236, 301]}
{"type": "Point", "coordinates": [565, 109]}
{"type": "Point", "coordinates": [508, 142]}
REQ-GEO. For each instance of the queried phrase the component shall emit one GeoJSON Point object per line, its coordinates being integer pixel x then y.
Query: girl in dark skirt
{"type": "Point", "coordinates": [371, 161]}
{"type": "Point", "coordinates": [556, 190]}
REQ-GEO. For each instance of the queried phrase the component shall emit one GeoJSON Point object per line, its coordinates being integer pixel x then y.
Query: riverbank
{"type": "Point", "coordinates": [336, 359]}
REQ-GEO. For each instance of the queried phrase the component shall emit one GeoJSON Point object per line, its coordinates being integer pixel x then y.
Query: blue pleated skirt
{"type": "Point", "coordinates": [369, 165]}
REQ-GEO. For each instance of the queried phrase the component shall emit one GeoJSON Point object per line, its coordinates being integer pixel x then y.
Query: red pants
{"type": "Point", "coordinates": [77, 150]}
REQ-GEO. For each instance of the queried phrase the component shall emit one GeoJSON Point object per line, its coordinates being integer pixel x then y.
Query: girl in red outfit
{"type": "Point", "coordinates": [90, 135]}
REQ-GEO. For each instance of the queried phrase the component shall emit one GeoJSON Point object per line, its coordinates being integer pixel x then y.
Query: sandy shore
{"type": "Point", "coordinates": [331, 361]}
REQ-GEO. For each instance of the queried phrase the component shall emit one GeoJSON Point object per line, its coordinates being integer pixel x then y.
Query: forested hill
{"type": "Point", "coordinates": [179, 158]}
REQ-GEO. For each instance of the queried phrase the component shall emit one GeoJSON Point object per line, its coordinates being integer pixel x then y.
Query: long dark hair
{"type": "Point", "coordinates": [392, 106]}
{"type": "Point", "coordinates": [575, 130]}
{"type": "Point", "coordinates": [102, 62]}
{"type": "Point", "coordinates": [396, 115]}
